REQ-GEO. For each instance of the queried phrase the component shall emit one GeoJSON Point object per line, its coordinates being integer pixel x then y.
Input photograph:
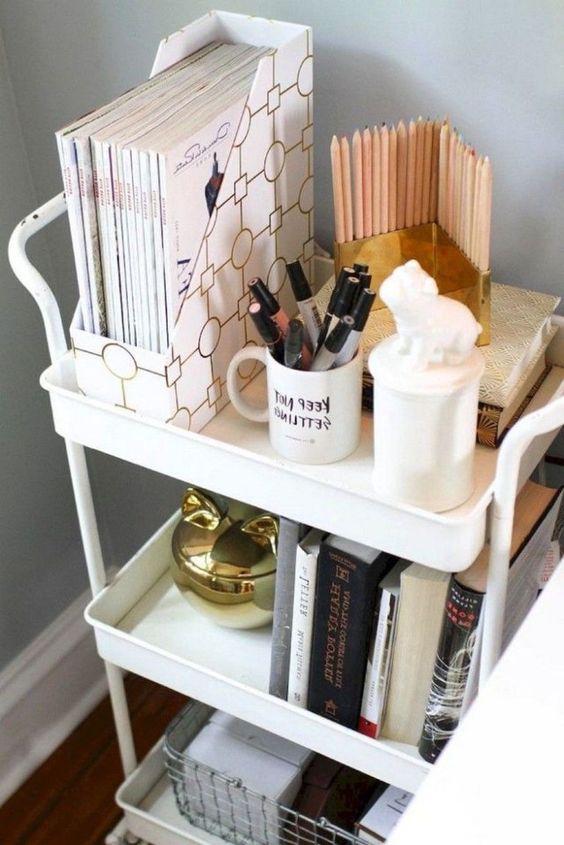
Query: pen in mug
{"type": "Point", "coordinates": [296, 353]}
{"type": "Point", "coordinates": [306, 303]}
{"type": "Point", "coordinates": [268, 331]}
{"type": "Point", "coordinates": [333, 344]}
{"type": "Point", "coordinates": [364, 282]}
{"type": "Point", "coordinates": [269, 303]}
{"type": "Point", "coordinates": [344, 274]}
{"type": "Point", "coordinates": [359, 314]}
{"type": "Point", "coordinates": [360, 268]}
{"type": "Point", "coordinates": [343, 301]}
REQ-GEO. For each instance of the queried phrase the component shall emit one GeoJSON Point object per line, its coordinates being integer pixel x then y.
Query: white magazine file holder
{"type": "Point", "coordinates": [263, 218]}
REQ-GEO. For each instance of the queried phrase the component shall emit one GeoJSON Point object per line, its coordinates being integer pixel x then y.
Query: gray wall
{"type": "Point", "coordinates": [496, 68]}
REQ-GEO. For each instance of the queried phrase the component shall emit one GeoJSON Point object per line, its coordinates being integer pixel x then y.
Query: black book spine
{"type": "Point", "coordinates": [344, 610]}
{"type": "Point", "coordinates": [452, 667]}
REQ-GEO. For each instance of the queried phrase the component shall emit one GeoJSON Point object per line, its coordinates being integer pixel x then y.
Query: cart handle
{"type": "Point", "coordinates": [546, 419]}
{"type": "Point", "coordinates": [32, 279]}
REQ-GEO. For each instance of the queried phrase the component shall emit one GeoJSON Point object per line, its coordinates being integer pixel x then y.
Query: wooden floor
{"type": "Point", "coordinates": [69, 800]}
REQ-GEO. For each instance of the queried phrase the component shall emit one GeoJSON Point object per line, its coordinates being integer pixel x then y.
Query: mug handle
{"type": "Point", "coordinates": [245, 409]}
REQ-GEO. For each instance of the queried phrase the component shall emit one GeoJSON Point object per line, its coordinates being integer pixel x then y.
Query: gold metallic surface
{"type": "Point", "coordinates": [437, 253]}
{"type": "Point", "coordinates": [225, 552]}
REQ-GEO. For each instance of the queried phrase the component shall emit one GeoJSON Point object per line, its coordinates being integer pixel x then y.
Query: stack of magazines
{"type": "Point", "coordinates": [141, 176]}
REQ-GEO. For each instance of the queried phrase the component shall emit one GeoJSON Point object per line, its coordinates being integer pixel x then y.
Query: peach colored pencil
{"type": "Point", "coordinates": [402, 174]}
{"type": "Point", "coordinates": [485, 216]}
{"type": "Point", "coordinates": [458, 189]}
{"type": "Point", "coordinates": [469, 201]}
{"type": "Point", "coordinates": [367, 181]}
{"type": "Point", "coordinates": [434, 195]}
{"type": "Point", "coordinates": [347, 191]}
{"type": "Point", "coordinates": [358, 211]}
{"type": "Point", "coordinates": [393, 180]}
{"type": "Point", "coordinates": [443, 175]}
{"type": "Point", "coordinates": [419, 163]}
{"type": "Point", "coordinates": [338, 206]}
{"type": "Point", "coordinates": [410, 183]}
{"type": "Point", "coordinates": [451, 180]}
{"type": "Point", "coordinates": [476, 213]}
{"type": "Point", "coordinates": [384, 177]}
{"type": "Point", "coordinates": [376, 199]}
{"type": "Point", "coordinates": [427, 160]}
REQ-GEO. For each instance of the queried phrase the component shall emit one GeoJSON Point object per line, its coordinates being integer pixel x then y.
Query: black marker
{"type": "Point", "coordinates": [294, 346]}
{"type": "Point", "coordinates": [364, 282]}
{"type": "Point", "coordinates": [269, 303]}
{"type": "Point", "coordinates": [306, 303]}
{"type": "Point", "coordinates": [360, 268]}
{"type": "Point", "coordinates": [360, 313]}
{"type": "Point", "coordinates": [344, 274]}
{"type": "Point", "coordinates": [336, 339]}
{"type": "Point", "coordinates": [268, 330]}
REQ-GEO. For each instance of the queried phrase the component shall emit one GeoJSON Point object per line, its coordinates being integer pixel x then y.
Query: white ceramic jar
{"type": "Point", "coordinates": [424, 428]}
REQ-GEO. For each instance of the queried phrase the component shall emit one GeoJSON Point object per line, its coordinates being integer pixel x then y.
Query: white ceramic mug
{"type": "Point", "coordinates": [313, 417]}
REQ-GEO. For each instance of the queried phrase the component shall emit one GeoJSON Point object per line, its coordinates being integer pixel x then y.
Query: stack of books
{"type": "Point", "coordinates": [142, 175]}
{"type": "Point", "coordinates": [516, 362]}
{"type": "Point", "coordinates": [389, 647]}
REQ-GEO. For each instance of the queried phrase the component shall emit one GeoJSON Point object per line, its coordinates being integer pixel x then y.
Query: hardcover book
{"type": "Point", "coordinates": [455, 674]}
{"type": "Point", "coordinates": [521, 330]}
{"type": "Point", "coordinates": [260, 189]}
{"type": "Point", "coordinates": [345, 597]}
{"type": "Point", "coordinates": [420, 615]}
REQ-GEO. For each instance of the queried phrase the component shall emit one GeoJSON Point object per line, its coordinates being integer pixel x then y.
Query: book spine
{"type": "Point", "coordinates": [141, 309]}
{"type": "Point", "coordinates": [452, 667]}
{"type": "Point", "coordinates": [91, 235]}
{"type": "Point", "coordinates": [142, 163]}
{"type": "Point", "coordinates": [162, 307]}
{"type": "Point", "coordinates": [69, 168]}
{"type": "Point", "coordinates": [302, 627]}
{"type": "Point", "coordinates": [344, 609]}
{"type": "Point", "coordinates": [120, 303]}
{"type": "Point", "coordinates": [145, 276]}
{"type": "Point", "coordinates": [124, 275]}
{"type": "Point", "coordinates": [130, 281]}
{"type": "Point", "coordinates": [288, 539]}
{"type": "Point", "coordinates": [171, 291]}
{"type": "Point", "coordinates": [378, 666]}
{"type": "Point", "coordinates": [100, 202]}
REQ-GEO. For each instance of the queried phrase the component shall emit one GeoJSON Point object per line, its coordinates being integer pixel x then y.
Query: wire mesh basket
{"type": "Point", "coordinates": [225, 807]}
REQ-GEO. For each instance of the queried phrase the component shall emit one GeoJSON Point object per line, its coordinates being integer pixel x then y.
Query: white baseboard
{"type": "Point", "coordinates": [45, 693]}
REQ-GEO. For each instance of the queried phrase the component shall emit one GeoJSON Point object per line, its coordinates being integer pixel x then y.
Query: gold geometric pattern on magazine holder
{"type": "Point", "coordinates": [243, 242]}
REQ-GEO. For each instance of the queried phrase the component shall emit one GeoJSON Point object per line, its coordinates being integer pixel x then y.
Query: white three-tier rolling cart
{"type": "Point", "coordinates": [143, 625]}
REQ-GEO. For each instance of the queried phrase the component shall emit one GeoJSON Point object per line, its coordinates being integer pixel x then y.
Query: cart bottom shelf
{"type": "Point", "coordinates": [147, 800]}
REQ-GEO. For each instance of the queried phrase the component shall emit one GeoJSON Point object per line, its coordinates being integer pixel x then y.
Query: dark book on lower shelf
{"type": "Point", "coordinates": [457, 664]}
{"type": "Point", "coordinates": [347, 581]}
{"type": "Point", "coordinates": [290, 534]}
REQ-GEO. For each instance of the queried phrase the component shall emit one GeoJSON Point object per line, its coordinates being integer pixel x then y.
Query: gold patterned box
{"type": "Point", "coordinates": [263, 218]}
{"type": "Point", "coordinates": [437, 253]}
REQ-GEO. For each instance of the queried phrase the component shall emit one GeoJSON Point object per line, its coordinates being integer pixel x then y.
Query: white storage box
{"type": "Point", "coordinates": [263, 740]}
{"type": "Point", "coordinates": [234, 790]}
{"type": "Point", "coordinates": [263, 218]}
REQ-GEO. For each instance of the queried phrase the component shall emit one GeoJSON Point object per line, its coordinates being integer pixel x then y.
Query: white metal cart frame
{"type": "Point", "coordinates": [498, 497]}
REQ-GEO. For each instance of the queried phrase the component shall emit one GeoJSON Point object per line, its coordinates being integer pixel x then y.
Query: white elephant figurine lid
{"type": "Point", "coordinates": [435, 345]}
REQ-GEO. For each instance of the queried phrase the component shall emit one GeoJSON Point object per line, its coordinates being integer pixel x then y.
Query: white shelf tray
{"type": "Point", "coordinates": [230, 451]}
{"type": "Point", "coordinates": [150, 811]}
{"type": "Point", "coordinates": [143, 624]}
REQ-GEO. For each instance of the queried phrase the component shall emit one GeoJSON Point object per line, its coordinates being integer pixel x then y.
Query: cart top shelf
{"type": "Point", "coordinates": [233, 456]}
